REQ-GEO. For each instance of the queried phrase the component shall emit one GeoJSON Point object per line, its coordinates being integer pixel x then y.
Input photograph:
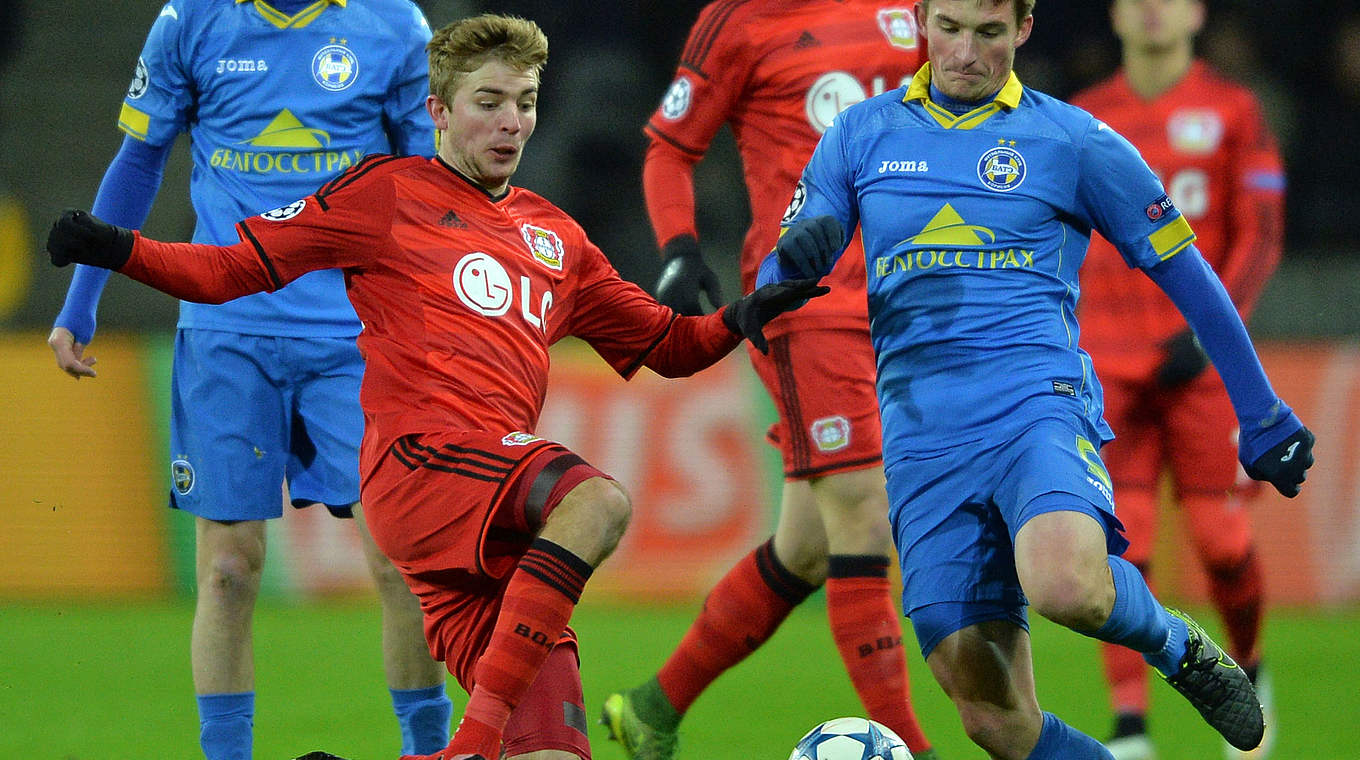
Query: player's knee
{"type": "Point", "coordinates": [232, 578]}
{"type": "Point", "coordinates": [612, 508]}
{"type": "Point", "coordinates": [989, 726]}
{"type": "Point", "coordinates": [1077, 600]}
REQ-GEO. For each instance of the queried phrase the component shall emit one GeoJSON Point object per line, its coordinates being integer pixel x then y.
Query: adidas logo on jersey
{"type": "Point", "coordinates": [450, 219]}
{"type": "Point", "coordinates": [806, 40]}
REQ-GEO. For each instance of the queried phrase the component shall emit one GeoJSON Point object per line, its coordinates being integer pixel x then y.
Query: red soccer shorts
{"type": "Point", "coordinates": [822, 384]}
{"type": "Point", "coordinates": [455, 512]}
{"type": "Point", "coordinates": [1190, 432]}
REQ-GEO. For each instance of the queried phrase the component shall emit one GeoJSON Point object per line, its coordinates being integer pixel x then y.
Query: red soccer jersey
{"type": "Point", "coordinates": [777, 73]}
{"type": "Point", "coordinates": [460, 294]}
{"type": "Point", "coordinates": [1206, 139]}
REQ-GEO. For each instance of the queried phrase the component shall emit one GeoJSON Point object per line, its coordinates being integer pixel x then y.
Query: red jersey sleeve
{"type": "Point", "coordinates": [344, 224]}
{"type": "Point", "coordinates": [709, 79]}
{"type": "Point", "coordinates": [630, 330]}
{"type": "Point", "coordinates": [1256, 206]}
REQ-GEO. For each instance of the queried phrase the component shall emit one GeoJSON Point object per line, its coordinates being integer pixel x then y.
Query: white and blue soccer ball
{"type": "Point", "coordinates": [851, 739]}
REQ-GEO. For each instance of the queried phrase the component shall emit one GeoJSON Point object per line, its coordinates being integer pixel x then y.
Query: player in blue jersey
{"type": "Point", "coordinates": [277, 97]}
{"type": "Point", "coordinates": [976, 198]}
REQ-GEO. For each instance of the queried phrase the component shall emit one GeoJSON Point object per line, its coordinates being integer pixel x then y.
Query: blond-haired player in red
{"type": "Point", "coordinates": [777, 73]}
{"type": "Point", "coordinates": [462, 282]}
{"type": "Point", "coordinates": [1206, 138]}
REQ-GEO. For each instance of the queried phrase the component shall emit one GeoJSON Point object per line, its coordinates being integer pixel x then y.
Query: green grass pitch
{"type": "Point", "coordinates": [81, 681]}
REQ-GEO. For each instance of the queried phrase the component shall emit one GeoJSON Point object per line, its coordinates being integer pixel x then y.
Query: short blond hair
{"type": "Point", "coordinates": [1023, 8]}
{"type": "Point", "coordinates": [461, 47]}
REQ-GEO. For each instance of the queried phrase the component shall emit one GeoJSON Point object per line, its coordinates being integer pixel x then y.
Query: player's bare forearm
{"type": "Point", "coordinates": [200, 273]}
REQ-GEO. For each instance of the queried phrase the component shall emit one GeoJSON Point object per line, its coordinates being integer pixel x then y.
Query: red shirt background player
{"type": "Point", "coordinates": [777, 73]}
{"type": "Point", "coordinates": [1206, 138]}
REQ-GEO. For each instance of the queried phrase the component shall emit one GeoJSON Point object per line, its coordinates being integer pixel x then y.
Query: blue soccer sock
{"type": "Point", "coordinates": [1059, 741]}
{"type": "Point", "coordinates": [424, 717]}
{"type": "Point", "coordinates": [225, 722]}
{"type": "Point", "coordinates": [1139, 622]}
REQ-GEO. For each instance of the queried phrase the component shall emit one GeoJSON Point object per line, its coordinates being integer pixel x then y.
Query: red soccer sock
{"type": "Point", "coordinates": [868, 633]}
{"type": "Point", "coordinates": [1127, 674]}
{"type": "Point", "coordinates": [537, 604]}
{"type": "Point", "coordinates": [740, 614]}
{"type": "Point", "coordinates": [1238, 595]}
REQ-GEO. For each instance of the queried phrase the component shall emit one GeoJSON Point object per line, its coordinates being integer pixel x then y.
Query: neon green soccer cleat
{"type": "Point", "coordinates": [1218, 689]}
{"type": "Point", "coordinates": [639, 740]}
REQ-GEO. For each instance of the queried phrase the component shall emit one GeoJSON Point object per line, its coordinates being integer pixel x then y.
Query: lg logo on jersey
{"type": "Point", "coordinates": [484, 286]}
{"type": "Point", "coordinates": [836, 91]}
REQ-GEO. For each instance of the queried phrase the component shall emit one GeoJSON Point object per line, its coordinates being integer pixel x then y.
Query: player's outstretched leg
{"type": "Point", "coordinates": [1217, 688]}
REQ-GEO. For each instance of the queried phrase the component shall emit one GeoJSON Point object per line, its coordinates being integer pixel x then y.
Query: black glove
{"type": "Point", "coordinates": [748, 314]}
{"type": "Point", "coordinates": [1286, 464]}
{"type": "Point", "coordinates": [78, 237]}
{"type": "Point", "coordinates": [809, 247]}
{"type": "Point", "coordinates": [685, 276]}
{"type": "Point", "coordinates": [1184, 360]}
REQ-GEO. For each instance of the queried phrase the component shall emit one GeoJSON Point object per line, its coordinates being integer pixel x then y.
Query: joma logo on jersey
{"type": "Point", "coordinates": [545, 245]}
{"type": "Point", "coordinates": [241, 65]}
{"type": "Point", "coordinates": [902, 166]}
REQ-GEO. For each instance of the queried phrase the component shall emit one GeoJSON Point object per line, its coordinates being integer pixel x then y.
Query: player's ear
{"type": "Point", "coordinates": [1026, 27]}
{"type": "Point", "coordinates": [439, 112]}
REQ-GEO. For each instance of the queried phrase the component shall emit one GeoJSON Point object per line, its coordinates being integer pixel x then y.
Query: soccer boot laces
{"type": "Point", "coordinates": [1222, 693]}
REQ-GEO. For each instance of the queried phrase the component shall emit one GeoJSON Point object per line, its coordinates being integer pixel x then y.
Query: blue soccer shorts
{"type": "Point", "coordinates": [955, 513]}
{"type": "Point", "coordinates": [251, 412]}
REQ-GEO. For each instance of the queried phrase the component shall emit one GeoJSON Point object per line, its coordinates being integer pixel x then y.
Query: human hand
{"type": "Point", "coordinates": [70, 354]}
{"type": "Point", "coordinates": [685, 276]}
{"type": "Point", "coordinates": [808, 248]}
{"type": "Point", "coordinates": [1285, 465]}
{"type": "Point", "coordinates": [1183, 360]}
{"type": "Point", "coordinates": [749, 314]}
{"type": "Point", "coordinates": [77, 237]}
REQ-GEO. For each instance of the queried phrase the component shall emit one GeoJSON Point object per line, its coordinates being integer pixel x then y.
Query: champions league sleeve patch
{"type": "Point", "coordinates": [140, 80]}
{"type": "Point", "coordinates": [795, 203]}
{"type": "Point", "coordinates": [676, 102]}
{"type": "Point", "coordinates": [284, 213]}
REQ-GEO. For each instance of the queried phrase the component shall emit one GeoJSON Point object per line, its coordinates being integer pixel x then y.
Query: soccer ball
{"type": "Point", "coordinates": [850, 739]}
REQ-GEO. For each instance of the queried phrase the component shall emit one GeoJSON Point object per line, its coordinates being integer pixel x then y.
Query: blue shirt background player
{"type": "Point", "coordinates": [277, 99]}
{"type": "Point", "coordinates": [975, 218]}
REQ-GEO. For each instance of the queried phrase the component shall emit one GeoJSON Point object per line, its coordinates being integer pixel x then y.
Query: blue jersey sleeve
{"type": "Point", "coordinates": [404, 115]}
{"type": "Point", "coordinates": [161, 97]}
{"type": "Point", "coordinates": [1191, 284]}
{"type": "Point", "coordinates": [1122, 198]}
{"type": "Point", "coordinates": [826, 188]}
{"type": "Point", "coordinates": [124, 198]}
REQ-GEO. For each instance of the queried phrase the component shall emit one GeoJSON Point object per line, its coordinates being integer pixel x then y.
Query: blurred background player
{"type": "Point", "coordinates": [777, 73]}
{"type": "Point", "coordinates": [1206, 137]}
{"type": "Point", "coordinates": [276, 97]}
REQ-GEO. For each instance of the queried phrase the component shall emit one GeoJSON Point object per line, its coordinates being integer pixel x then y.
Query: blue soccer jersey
{"type": "Point", "coordinates": [974, 227]}
{"type": "Point", "coordinates": [276, 105]}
